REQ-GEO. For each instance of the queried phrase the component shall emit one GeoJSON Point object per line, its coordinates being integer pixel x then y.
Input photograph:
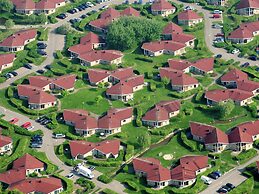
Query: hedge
{"type": "Point", "coordinates": [43, 34]}
{"type": "Point", "coordinates": [102, 163]}
{"type": "Point", "coordinates": [187, 143]}
{"type": "Point", "coordinates": [133, 186]}
{"type": "Point", "coordinates": [129, 152]}
{"type": "Point", "coordinates": [152, 191]}
{"type": "Point", "coordinates": [186, 94]}
{"type": "Point", "coordinates": [108, 191]}
{"type": "Point", "coordinates": [83, 182]}
{"type": "Point", "coordinates": [247, 154]}
{"type": "Point", "coordinates": [104, 178]}
{"type": "Point", "coordinates": [59, 54]}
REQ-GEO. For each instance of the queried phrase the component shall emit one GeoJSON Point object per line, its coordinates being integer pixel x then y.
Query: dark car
{"type": "Point", "coordinates": [41, 44]}
{"type": "Point", "coordinates": [230, 185]}
{"type": "Point", "coordinates": [218, 173]}
{"type": "Point", "coordinates": [253, 58]}
{"type": "Point", "coordinates": [222, 190]}
{"type": "Point", "coordinates": [226, 187]}
{"type": "Point", "coordinates": [257, 69]}
{"type": "Point", "coordinates": [218, 56]}
{"type": "Point", "coordinates": [40, 119]}
{"type": "Point", "coordinates": [28, 66]}
{"type": "Point", "coordinates": [213, 175]}
{"type": "Point", "coordinates": [48, 67]}
{"type": "Point", "coordinates": [72, 11]}
{"type": "Point", "coordinates": [14, 73]}
{"type": "Point", "coordinates": [40, 71]}
{"type": "Point", "coordinates": [83, 16]}
{"type": "Point", "coordinates": [245, 64]}
{"type": "Point", "coordinates": [41, 52]}
{"type": "Point", "coordinates": [62, 16]}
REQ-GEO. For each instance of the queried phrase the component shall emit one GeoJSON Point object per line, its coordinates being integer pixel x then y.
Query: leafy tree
{"type": "Point", "coordinates": [64, 29]}
{"type": "Point", "coordinates": [225, 108]}
{"type": "Point", "coordinates": [9, 24]}
{"type": "Point", "coordinates": [129, 32]}
{"type": "Point", "coordinates": [144, 140]}
{"type": "Point", "coordinates": [64, 93]}
{"type": "Point", "coordinates": [98, 99]}
{"type": "Point", "coordinates": [165, 81]}
{"type": "Point", "coordinates": [6, 5]}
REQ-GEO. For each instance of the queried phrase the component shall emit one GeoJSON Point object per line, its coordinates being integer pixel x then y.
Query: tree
{"type": "Point", "coordinates": [144, 140]}
{"type": "Point", "coordinates": [64, 29]}
{"type": "Point", "coordinates": [9, 24]}
{"type": "Point", "coordinates": [165, 81]}
{"type": "Point", "coordinates": [129, 32]}
{"type": "Point", "coordinates": [6, 5]}
{"type": "Point", "coordinates": [98, 99]}
{"type": "Point", "coordinates": [225, 108]}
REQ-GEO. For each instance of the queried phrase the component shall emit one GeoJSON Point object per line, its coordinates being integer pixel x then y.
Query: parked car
{"type": "Point", "coordinates": [71, 11]}
{"type": "Point", "coordinates": [222, 190]}
{"type": "Point", "coordinates": [91, 168]}
{"type": "Point", "coordinates": [218, 173]}
{"type": "Point", "coordinates": [216, 16]}
{"type": "Point", "coordinates": [48, 67]}
{"type": "Point", "coordinates": [217, 26]}
{"type": "Point", "coordinates": [213, 175]}
{"type": "Point", "coordinates": [188, 8]}
{"type": "Point", "coordinates": [14, 73]}
{"type": "Point", "coordinates": [35, 145]}
{"type": "Point", "coordinates": [62, 16]}
{"type": "Point", "coordinates": [14, 120]}
{"type": "Point", "coordinates": [69, 176]}
{"type": "Point", "coordinates": [235, 51]}
{"type": "Point", "coordinates": [9, 75]}
{"type": "Point", "coordinates": [257, 69]}
{"type": "Point", "coordinates": [230, 185]}
{"type": "Point", "coordinates": [40, 71]}
{"type": "Point", "coordinates": [219, 35]}
{"type": "Point", "coordinates": [83, 16]}
{"type": "Point", "coordinates": [217, 12]}
{"type": "Point", "coordinates": [41, 52]}
{"type": "Point", "coordinates": [226, 188]}
{"type": "Point", "coordinates": [253, 58]}
{"type": "Point", "coordinates": [26, 125]}
{"type": "Point", "coordinates": [206, 180]}
{"type": "Point", "coordinates": [30, 128]}
{"type": "Point", "coordinates": [45, 121]}
{"type": "Point", "coordinates": [28, 66]}
{"type": "Point", "coordinates": [42, 44]}
{"type": "Point", "coordinates": [36, 137]}
{"type": "Point", "coordinates": [218, 56]}
{"type": "Point", "coordinates": [246, 64]}
{"type": "Point", "coordinates": [104, 7]}
{"type": "Point", "coordinates": [59, 135]}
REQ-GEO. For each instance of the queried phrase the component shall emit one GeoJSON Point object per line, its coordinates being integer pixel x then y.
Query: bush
{"type": "Point", "coordinates": [189, 144]}
{"type": "Point", "coordinates": [152, 87]}
{"type": "Point", "coordinates": [64, 29]}
{"type": "Point", "coordinates": [129, 152]}
{"type": "Point", "coordinates": [83, 182]}
{"type": "Point", "coordinates": [245, 155]}
{"type": "Point", "coordinates": [133, 186]}
{"type": "Point", "coordinates": [104, 178]}
{"type": "Point", "coordinates": [152, 191]}
{"type": "Point", "coordinates": [138, 122]}
{"type": "Point", "coordinates": [59, 55]}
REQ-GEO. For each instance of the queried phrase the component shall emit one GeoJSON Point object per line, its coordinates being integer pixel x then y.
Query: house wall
{"type": "Point", "coordinates": [126, 121]}
{"type": "Point", "coordinates": [123, 98]}
{"type": "Point", "coordinates": [163, 13]}
{"type": "Point", "coordinates": [173, 114]}
{"type": "Point", "coordinates": [190, 22]}
{"type": "Point", "coordinates": [240, 40]}
{"type": "Point", "coordinates": [216, 147]}
{"type": "Point", "coordinates": [139, 87]}
{"type": "Point", "coordinates": [240, 146]}
{"type": "Point", "coordinates": [6, 66]}
{"type": "Point", "coordinates": [12, 49]}
{"type": "Point", "coordinates": [109, 131]}
{"type": "Point", "coordinates": [197, 138]}
{"type": "Point", "coordinates": [244, 102]}
{"type": "Point", "coordinates": [182, 184]}
{"type": "Point", "coordinates": [248, 11]}
{"type": "Point", "coordinates": [231, 84]}
{"type": "Point", "coordinates": [217, 2]}
{"type": "Point", "coordinates": [57, 191]}
{"type": "Point", "coordinates": [37, 170]}
{"type": "Point", "coordinates": [184, 88]}
{"type": "Point", "coordinates": [156, 124]}
{"type": "Point", "coordinates": [6, 148]}
{"type": "Point", "coordinates": [85, 132]}
{"type": "Point", "coordinates": [42, 106]}
{"type": "Point", "coordinates": [158, 184]}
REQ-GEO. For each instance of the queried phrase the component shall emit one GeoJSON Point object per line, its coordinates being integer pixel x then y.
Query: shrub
{"type": "Point", "coordinates": [64, 29]}
{"type": "Point", "coordinates": [108, 191]}
{"type": "Point", "coordinates": [59, 55]}
{"type": "Point", "coordinates": [152, 191]}
{"type": "Point", "coordinates": [104, 178]}
{"type": "Point", "coordinates": [129, 152]}
{"type": "Point", "coordinates": [152, 87]}
{"type": "Point", "coordinates": [138, 122]}
{"type": "Point", "coordinates": [133, 186]}
{"type": "Point", "coordinates": [244, 155]}
{"type": "Point", "coordinates": [189, 144]}
{"type": "Point", "coordinates": [83, 182]}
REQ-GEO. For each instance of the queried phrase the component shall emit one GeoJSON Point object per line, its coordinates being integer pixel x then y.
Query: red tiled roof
{"type": "Point", "coordinates": [155, 171]}
{"type": "Point", "coordinates": [126, 86]}
{"type": "Point", "coordinates": [238, 135]}
{"type": "Point", "coordinates": [257, 165]}
{"type": "Point", "coordinates": [91, 38]}
{"type": "Point", "coordinates": [248, 4]}
{"type": "Point", "coordinates": [65, 81]}
{"type": "Point", "coordinates": [6, 59]}
{"type": "Point", "coordinates": [200, 129]}
{"type": "Point", "coordinates": [4, 140]}
{"type": "Point", "coordinates": [161, 111]}
{"type": "Point", "coordinates": [195, 162]}
{"type": "Point", "coordinates": [172, 28]}
{"type": "Point", "coordinates": [247, 85]}
{"type": "Point", "coordinates": [81, 119]}
{"type": "Point", "coordinates": [35, 95]}
{"type": "Point", "coordinates": [188, 15]}
{"type": "Point", "coordinates": [182, 173]}
{"type": "Point", "coordinates": [31, 5]}
{"type": "Point", "coordinates": [83, 147]}
{"type": "Point", "coordinates": [80, 147]}
{"type": "Point", "coordinates": [81, 48]}
{"type": "Point", "coordinates": [245, 30]}
{"type": "Point", "coordinates": [107, 55]}
{"type": "Point", "coordinates": [179, 64]}
{"type": "Point", "coordinates": [100, 23]}
{"type": "Point", "coordinates": [122, 73]}
{"type": "Point", "coordinates": [233, 94]}
{"type": "Point", "coordinates": [182, 38]}
{"type": "Point", "coordinates": [109, 146]}
{"type": "Point", "coordinates": [130, 12]}
{"type": "Point", "coordinates": [37, 185]}
{"type": "Point", "coordinates": [27, 162]}
{"type": "Point", "coordinates": [97, 75]}
{"type": "Point", "coordinates": [19, 38]}
{"type": "Point", "coordinates": [160, 5]}
{"type": "Point", "coordinates": [177, 77]}
{"type": "Point", "coordinates": [234, 75]}
{"type": "Point", "coordinates": [24, 4]}
{"type": "Point", "coordinates": [205, 64]}
{"type": "Point", "coordinates": [251, 127]}
{"type": "Point", "coordinates": [12, 176]}
{"type": "Point", "coordinates": [45, 5]}
{"type": "Point", "coordinates": [112, 119]}
{"type": "Point", "coordinates": [216, 136]}
{"type": "Point", "coordinates": [110, 13]}
{"type": "Point", "coordinates": [162, 45]}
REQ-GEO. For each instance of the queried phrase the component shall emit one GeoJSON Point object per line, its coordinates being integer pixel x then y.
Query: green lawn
{"type": "Point", "coordinates": [85, 99]}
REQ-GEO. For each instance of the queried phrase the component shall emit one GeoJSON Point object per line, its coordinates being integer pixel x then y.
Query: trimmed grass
{"type": "Point", "coordinates": [85, 99]}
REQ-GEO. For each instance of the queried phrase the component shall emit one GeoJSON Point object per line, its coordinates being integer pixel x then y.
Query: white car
{"type": "Point", "coordinates": [69, 176]}
{"type": "Point", "coordinates": [235, 51]}
{"type": "Point", "coordinates": [217, 12]}
{"type": "Point", "coordinates": [30, 128]}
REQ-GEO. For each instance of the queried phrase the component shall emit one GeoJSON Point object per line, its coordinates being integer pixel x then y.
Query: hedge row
{"type": "Point", "coordinates": [187, 143]}
{"type": "Point", "coordinates": [108, 191]}
{"type": "Point", "coordinates": [83, 182]}
{"type": "Point", "coordinates": [104, 178]}
{"type": "Point", "coordinates": [67, 183]}
{"type": "Point", "coordinates": [244, 155]}
{"type": "Point", "coordinates": [132, 185]}
{"type": "Point", "coordinates": [102, 163]}
{"type": "Point", "coordinates": [129, 152]}
{"type": "Point", "coordinates": [186, 94]}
